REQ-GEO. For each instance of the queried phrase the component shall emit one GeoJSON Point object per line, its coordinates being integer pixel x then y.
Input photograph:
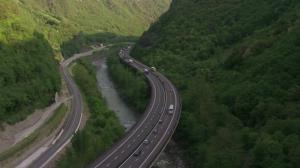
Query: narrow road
{"type": "Point", "coordinates": [73, 120]}
{"type": "Point", "coordinates": [147, 139]}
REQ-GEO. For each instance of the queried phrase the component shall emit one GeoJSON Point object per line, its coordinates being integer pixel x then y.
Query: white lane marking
{"type": "Point", "coordinates": [79, 123]}
{"type": "Point", "coordinates": [59, 149]}
{"type": "Point", "coordinates": [31, 158]}
{"type": "Point", "coordinates": [60, 133]}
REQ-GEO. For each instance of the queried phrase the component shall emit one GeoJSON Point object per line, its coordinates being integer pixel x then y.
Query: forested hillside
{"type": "Point", "coordinates": [31, 36]}
{"type": "Point", "coordinates": [237, 66]}
{"type": "Point", "coordinates": [28, 73]}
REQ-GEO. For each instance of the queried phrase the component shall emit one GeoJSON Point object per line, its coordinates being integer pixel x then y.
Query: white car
{"type": "Point", "coordinates": [171, 109]}
{"type": "Point", "coordinates": [146, 71]}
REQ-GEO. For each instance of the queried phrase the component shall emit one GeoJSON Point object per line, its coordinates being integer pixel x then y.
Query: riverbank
{"type": "Point", "coordinates": [114, 102]}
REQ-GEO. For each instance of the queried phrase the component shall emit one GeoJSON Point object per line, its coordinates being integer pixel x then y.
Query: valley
{"type": "Point", "coordinates": [224, 73]}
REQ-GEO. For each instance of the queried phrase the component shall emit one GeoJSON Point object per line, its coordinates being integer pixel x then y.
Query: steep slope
{"type": "Point", "coordinates": [237, 65]}
{"type": "Point", "coordinates": [31, 35]}
{"type": "Point", "coordinates": [28, 73]}
{"type": "Point", "coordinates": [130, 17]}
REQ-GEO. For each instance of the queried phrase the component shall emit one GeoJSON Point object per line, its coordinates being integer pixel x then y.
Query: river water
{"type": "Point", "coordinates": [127, 117]}
{"type": "Point", "coordinates": [172, 156]}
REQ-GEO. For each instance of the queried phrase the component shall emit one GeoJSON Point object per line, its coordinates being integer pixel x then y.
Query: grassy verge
{"type": "Point", "coordinates": [102, 128]}
{"type": "Point", "coordinates": [43, 131]}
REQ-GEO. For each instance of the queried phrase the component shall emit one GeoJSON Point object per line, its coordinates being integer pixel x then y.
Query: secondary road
{"type": "Point", "coordinates": [73, 120]}
{"type": "Point", "coordinates": [147, 139]}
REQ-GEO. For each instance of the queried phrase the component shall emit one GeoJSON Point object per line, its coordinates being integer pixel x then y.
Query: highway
{"type": "Point", "coordinates": [147, 139]}
{"type": "Point", "coordinates": [72, 122]}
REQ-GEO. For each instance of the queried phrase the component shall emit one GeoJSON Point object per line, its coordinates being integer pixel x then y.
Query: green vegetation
{"type": "Point", "coordinates": [32, 33]}
{"type": "Point", "coordinates": [42, 132]}
{"type": "Point", "coordinates": [130, 84]}
{"type": "Point", "coordinates": [90, 16]}
{"type": "Point", "coordinates": [102, 128]}
{"type": "Point", "coordinates": [236, 64]}
{"type": "Point", "coordinates": [82, 41]}
{"type": "Point", "coordinates": [29, 78]}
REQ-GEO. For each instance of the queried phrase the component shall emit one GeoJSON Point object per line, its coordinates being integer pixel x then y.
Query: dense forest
{"type": "Point", "coordinates": [102, 128]}
{"type": "Point", "coordinates": [236, 64]}
{"type": "Point", "coordinates": [29, 78]}
{"type": "Point", "coordinates": [33, 33]}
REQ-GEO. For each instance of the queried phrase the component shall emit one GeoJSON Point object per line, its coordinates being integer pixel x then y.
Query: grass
{"type": "Point", "coordinates": [43, 131]}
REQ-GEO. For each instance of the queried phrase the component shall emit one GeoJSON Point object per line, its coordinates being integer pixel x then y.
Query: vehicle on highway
{"type": "Point", "coordinates": [153, 69]}
{"type": "Point", "coordinates": [130, 60]}
{"type": "Point", "coordinates": [146, 71]}
{"type": "Point", "coordinates": [137, 153]}
{"type": "Point", "coordinates": [171, 109]}
{"type": "Point", "coordinates": [146, 141]}
{"type": "Point", "coordinates": [155, 131]}
{"type": "Point", "coordinates": [160, 121]}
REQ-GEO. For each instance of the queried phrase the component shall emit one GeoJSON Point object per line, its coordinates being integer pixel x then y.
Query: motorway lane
{"type": "Point", "coordinates": [118, 156]}
{"type": "Point", "coordinates": [134, 161]}
{"type": "Point", "coordinates": [71, 124]}
{"type": "Point", "coordinates": [129, 144]}
{"type": "Point", "coordinates": [152, 150]}
{"type": "Point", "coordinates": [173, 122]}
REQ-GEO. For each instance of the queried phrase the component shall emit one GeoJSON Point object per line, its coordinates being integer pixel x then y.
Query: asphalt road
{"type": "Point", "coordinates": [72, 123]}
{"type": "Point", "coordinates": [148, 138]}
